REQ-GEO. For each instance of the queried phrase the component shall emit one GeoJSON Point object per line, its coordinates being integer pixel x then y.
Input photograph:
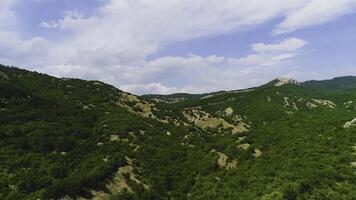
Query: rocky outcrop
{"type": "Point", "coordinates": [350, 123]}
{"type": "Point", "coordinates": [311, 105]}
{"type": "Point", "coordinates": [205, 120]}
{"type": "Point", "coordinates": [324, 102]}
{"type": "Point", "coordinates": [284, 81]}
{"type": "Point", "coordinates": [243, 146]}
{"type": "Point", "coordinates": [257, 153]}
{"type": "Point", "coordinates": [3, 76]}
{"type": "Point", "coordinates": [223, 161]}
{"type": "Point", "coordinates": [120, 182]}
{"type": "Point", "coordinates": [140, 107]}
{"type": "Point", "coordinates": [228, 111]}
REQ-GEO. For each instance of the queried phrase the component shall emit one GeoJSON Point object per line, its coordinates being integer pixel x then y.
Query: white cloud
{"type": "Point", "coordinates": [289, 44]}
{"type": "Point", "coordinates": [113, 43]}
{"type": "Point", "coordinates": [187, 74]}
{"type": "Point", "coordinates": [70, 71]}
{"type": "Point", "coordinates": [13, 48]}
{"type": "Point", "coordinates": [125, 32]}
{"type": "Point", "coordinates": [315, 12]}
{"type": "Point", "coordinates": [7, 14]}
{"type": "Point", "coordinates": [151, 88]}
{"type": "Point", "coordinates": [212, 73]}
{"type": "Point", "coordinates": [271, 54]}
{"type": "Point", "coordinates": [72, 20]}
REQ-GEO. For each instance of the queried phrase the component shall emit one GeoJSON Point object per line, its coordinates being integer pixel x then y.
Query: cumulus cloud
{"type": "Point", "coordinates": [193, 74]}
{"type": "Point", "coordinates": [13, 47]}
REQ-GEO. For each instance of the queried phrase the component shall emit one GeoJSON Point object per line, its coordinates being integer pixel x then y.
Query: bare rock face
{"type": "Point", "coordinates": [140, 107]}
{"type": "Point", "coordinates": [3, 76]}
{"type": "Point", "coordinates": [284, 81]}
{"type": "Point", "coordinates": [228, 111]}
{"type": "Point", "coordinates": [324, 102]}
{"type": "Point", "coordinates": [311, 105]}
{"type": "Point", "coordinates": [223, 161]}
{"type": "Point", "coordinates": [120, 182]}
{"type": "Point", "coordinates": [205, 121]}
{"type": "Point", "coordinates": [257, 153]}
{"type": "Point", "coordinates": [350, 123]}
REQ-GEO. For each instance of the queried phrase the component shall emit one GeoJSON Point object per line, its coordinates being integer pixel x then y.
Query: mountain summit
{"type": "Point", "coordinates": [283, 81]}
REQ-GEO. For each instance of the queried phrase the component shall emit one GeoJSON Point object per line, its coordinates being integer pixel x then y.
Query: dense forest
{"type": "Point", "coordinates": [64, 138]}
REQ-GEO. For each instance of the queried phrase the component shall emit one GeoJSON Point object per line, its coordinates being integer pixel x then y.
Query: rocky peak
{"type": "Point", "coordinates": [284, 81]}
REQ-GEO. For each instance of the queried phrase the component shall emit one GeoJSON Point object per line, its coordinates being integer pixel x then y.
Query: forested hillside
{"type": "Point", "coordinates": [74, 139]}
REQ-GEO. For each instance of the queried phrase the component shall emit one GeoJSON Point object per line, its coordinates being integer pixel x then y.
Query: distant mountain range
{"type": "Point", "coordinates": [68, 139]}
{"type": "Point", "coordinates": [339, 83]}
{"type": "Point", "coordinates": [346, 82]}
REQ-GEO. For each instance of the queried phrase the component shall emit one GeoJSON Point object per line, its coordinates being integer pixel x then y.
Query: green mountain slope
{"type": "Point", "coordinates": [306, 152]}
{"type": "Point", "coordinates": [68, 137]}
{"type": "Point", "coordinates": [71, 139]}
{"type": "Point", "coordinates": [346, 82]}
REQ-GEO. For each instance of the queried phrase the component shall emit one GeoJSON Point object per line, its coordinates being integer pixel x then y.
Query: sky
{"type": "Point", "coordinates": [170, 46]}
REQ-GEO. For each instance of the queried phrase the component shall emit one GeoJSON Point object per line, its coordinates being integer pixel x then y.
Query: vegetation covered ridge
{"type": "Point", "coordinates": [66, 138]}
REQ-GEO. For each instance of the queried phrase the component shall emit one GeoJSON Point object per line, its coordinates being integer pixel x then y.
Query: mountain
{"type": "Point", "coordinates": [283, 81]}
{"type": "Point", "coordinates": [75, 139]}
{"type": "Point", "coordinates": [173, 98]}
{"type": "Point", "coordinates": [177, 97]}
{"type": "Point", "coordinates": [340, 83]}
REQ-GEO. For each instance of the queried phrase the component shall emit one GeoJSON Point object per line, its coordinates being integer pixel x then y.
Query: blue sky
{"type": "Point", "coordinates": [167, 46]}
